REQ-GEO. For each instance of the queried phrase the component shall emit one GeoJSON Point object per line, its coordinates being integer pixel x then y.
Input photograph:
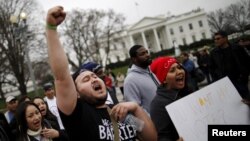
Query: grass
{"type": "Point", "coordinates": [2, 105]}
{"type": "Point", "coordinates": [31, 94]}
{"type": "Point", "coordinates": [123, 70]}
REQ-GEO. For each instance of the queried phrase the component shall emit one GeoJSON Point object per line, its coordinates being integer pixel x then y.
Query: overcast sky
{"type": "Point", "coordinates": [134, 10]}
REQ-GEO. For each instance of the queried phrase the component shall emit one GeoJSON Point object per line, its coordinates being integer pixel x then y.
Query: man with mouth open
{"type": "Point", "coordinates": [87, 118]}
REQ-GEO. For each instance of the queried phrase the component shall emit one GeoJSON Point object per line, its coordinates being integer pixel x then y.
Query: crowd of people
{"type": "Point", "coordinates": [84, 106]}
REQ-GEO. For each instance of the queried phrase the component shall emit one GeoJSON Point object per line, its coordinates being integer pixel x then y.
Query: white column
{"type": "Point", "coordinates": [157, 40]}
{"type": "Point", "coordinates": [144, 40]}
{"type": "Point", "coordinates": [168, 40]}
{"type": "Point", "coordinates": [132, 42]}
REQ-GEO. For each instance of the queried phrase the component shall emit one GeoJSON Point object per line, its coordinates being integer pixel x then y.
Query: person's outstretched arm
{"type": "Point", "coordinates": [65, 89]}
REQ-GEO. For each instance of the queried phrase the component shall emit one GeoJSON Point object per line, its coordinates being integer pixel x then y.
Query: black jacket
{"type": "Point", "coordinates": [227, 62]}
{"type": "Point", "coordinates": [165, 128]}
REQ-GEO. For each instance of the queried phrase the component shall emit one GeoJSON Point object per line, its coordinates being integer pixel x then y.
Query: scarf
{"type": "Point", "coordinates": [37, 134]}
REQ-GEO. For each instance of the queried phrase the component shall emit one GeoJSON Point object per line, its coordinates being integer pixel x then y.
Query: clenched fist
{"type": "Point", "coordinates": [55, 16]}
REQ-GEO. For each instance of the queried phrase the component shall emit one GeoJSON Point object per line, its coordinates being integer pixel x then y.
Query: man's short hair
{"type": "Point", "coordinates": [133, 50]}
{"type": "Point", "coordinates": [221, 33]}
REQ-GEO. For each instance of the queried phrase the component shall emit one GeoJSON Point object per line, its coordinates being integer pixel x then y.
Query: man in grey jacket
{"type": "Point", "coordinates": [140, 84]}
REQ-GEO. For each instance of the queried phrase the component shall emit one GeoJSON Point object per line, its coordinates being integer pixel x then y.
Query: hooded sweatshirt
{"type": "Point", "coordinates": [165, 128]}
{"type": "Point", "coordinates": [140, 87]}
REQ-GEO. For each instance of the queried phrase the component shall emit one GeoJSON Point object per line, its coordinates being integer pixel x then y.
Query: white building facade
{"type": "Point", "coordinates": [160, 33]}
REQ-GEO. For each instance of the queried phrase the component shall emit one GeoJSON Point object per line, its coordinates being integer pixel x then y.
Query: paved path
{"type": "Point", "coordinates": [119, 94]}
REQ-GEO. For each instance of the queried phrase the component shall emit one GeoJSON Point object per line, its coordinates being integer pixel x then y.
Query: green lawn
{"type": "Point", "coordinates": [31, 95]}
{"type": "Point", "coordinates": [122, 70]}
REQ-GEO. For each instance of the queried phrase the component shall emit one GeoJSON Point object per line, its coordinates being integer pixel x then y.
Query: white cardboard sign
{"type": "Point", "coordinates": [218, 103]}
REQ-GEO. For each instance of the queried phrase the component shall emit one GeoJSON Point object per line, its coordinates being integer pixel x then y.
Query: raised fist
{"type": "Point", "coordinates": [55, 16]}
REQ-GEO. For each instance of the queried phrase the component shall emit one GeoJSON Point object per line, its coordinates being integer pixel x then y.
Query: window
{"type": "Point", "coordinates": [136, 40]}
{"type": "Point", "coordinates": [190, 26]}
{"type": "Point", "coordinates": [117, 58]}
{"type": "Point", "coordinates": [171, 31]}
{"type": "Point", "coordinates": [184, 41]}
{"type": "Point", "coordinates": [159, 35]}
{"type": "Point", "coordinates": [194, 38]}
{"type": "Point", "coordinates": [200, 24]}
{"type": "Point", "coordinates": [123, 45]}
{"type": "Point", "coordinates": [203, 34]}
{"type": "Point", "coordinates": [181, 28]}
{"type": "Point", "coordinates": [161, 46]}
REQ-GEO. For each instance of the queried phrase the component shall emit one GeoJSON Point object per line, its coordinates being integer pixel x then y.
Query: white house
{"type": "Point", "coordinates": [162, 32]}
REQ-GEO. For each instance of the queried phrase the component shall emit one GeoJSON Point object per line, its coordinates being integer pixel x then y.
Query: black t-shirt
{"type": "Point", "coordinates": [91, 124]}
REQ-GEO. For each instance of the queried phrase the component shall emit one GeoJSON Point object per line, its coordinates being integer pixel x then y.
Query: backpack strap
{"type": "Point", "coordinates": [115, 126]}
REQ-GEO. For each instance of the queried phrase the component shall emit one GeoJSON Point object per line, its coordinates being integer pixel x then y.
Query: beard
{"type": "Point", "coordinates": [146, 63]}
{"type": "Point", "coordinates": [100, 101]}
{"type": "Point", "coordinates": [94, 101]}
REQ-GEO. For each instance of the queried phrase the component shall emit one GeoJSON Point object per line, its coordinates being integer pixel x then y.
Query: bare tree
{"type": "Point", "coordinates": [112, 30]}
{"type": "Point", "coordinates": [239, 15]}
{"type": "Point", "coordinates": [217, 20]}
{"type": "Point", "coordinates": [234, 18]}
{"type": "Point", "coordinates": [88, 31]}
{"type": "Point", "coordinates": [4, 70]}
{"type": "Point", "coordinates": [17, 37]}
{"type": "Point", "coordinates": [42, 70]}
